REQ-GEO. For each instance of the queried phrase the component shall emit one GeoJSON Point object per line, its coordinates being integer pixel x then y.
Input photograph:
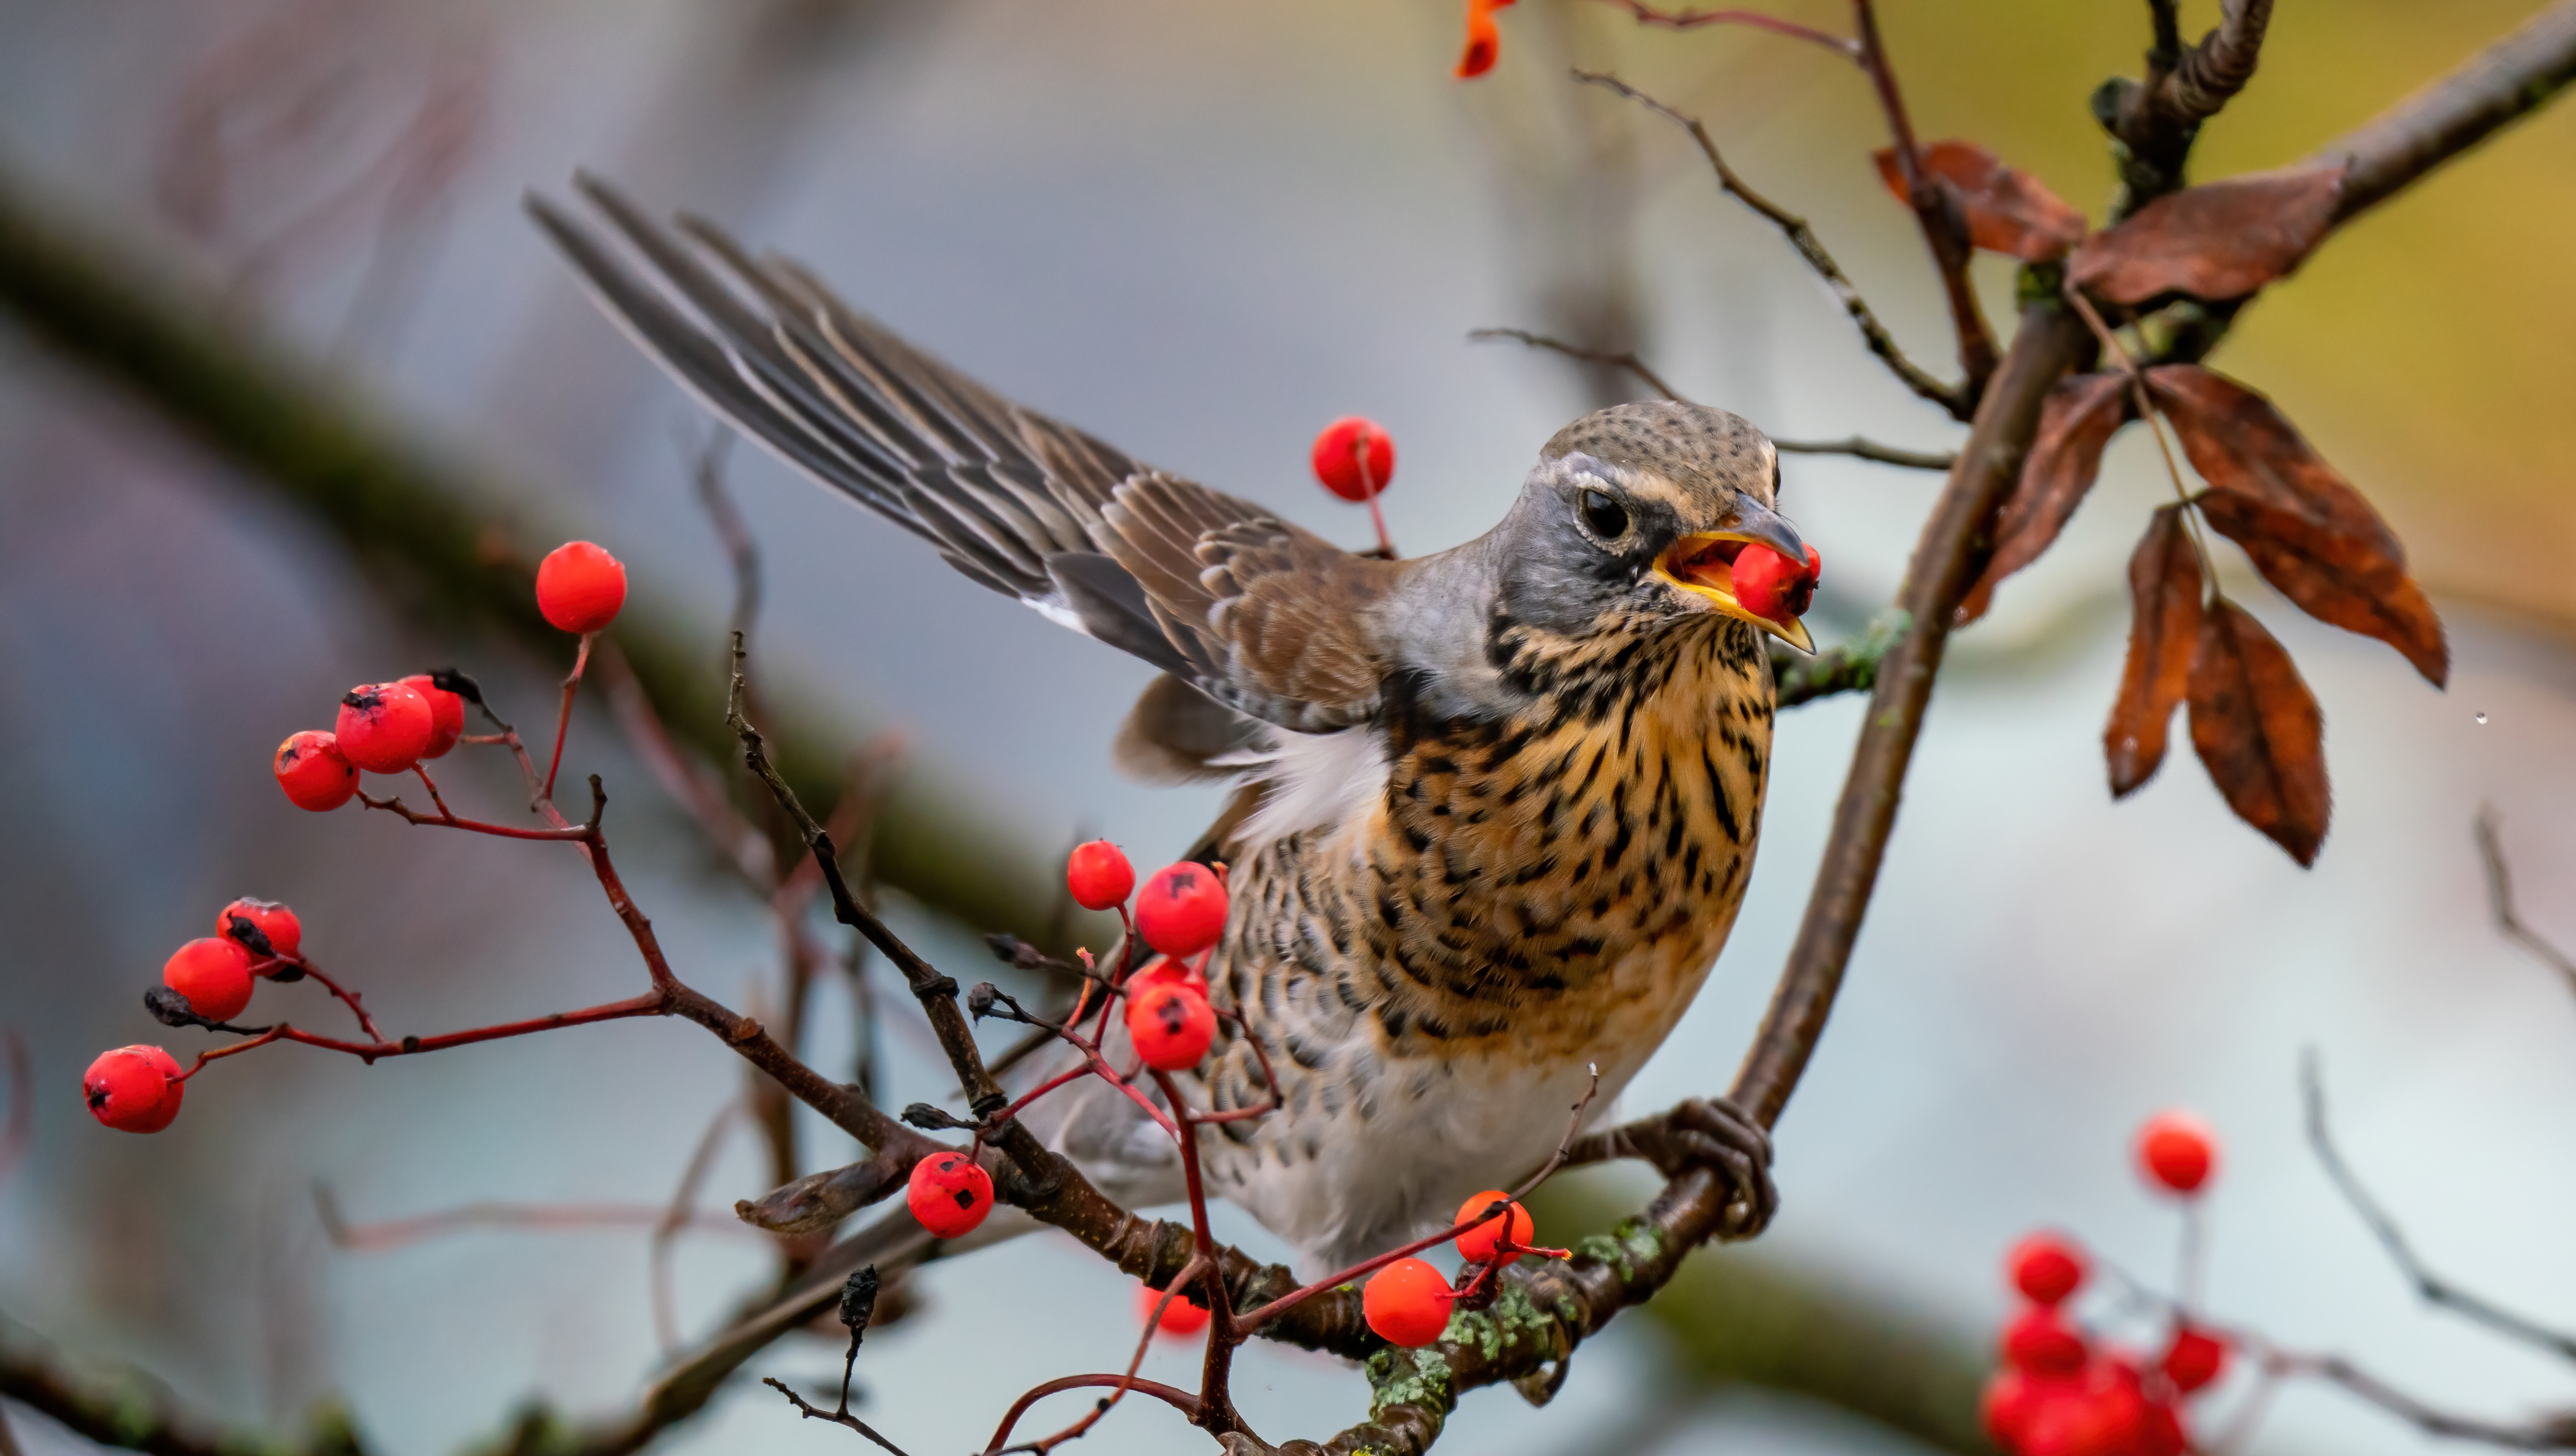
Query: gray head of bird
{"type": "Point", "coordinates": [1636, 516]}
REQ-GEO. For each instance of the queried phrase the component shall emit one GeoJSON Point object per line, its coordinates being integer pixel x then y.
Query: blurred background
{"type": "Point", "coordinates": [1202, 231]}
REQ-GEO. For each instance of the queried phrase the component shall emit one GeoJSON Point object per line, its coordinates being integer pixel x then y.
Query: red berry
{"type": "Point", "coordinates": [2194, 1359]}
{"type": "Point", "coordinates": [2160, 1432]}
{"type": "Point", "coordinates": [950, 1193]}
{"type": "Point", "coordinates": [1171, 1024]}
{"type": "Point", "coordinates": [133, 1089]}
{"type": "Point", "coordinates": [2047, 1268]}
{"type": "Point", "coordinates": [1165, 969]}
{"type": "Point", "coordinates": [2007, 1403]}
{"type": "Point", "coordinates": [2177, 1150]}
{"type": "Point", "coordinates": [1180, 1317]}
{"type": "Point", "coordinates": [1478, 1244]}
{"type": "Point", "coordinates": [580, 587]}
{"type": "Point", "coordinates": [311, 770]}
{"type": "Point", "coordinates": [1771, 586]}
{"type": "Point", "coordinates": [1354, 458]}
{"type": "Point", "coordinates": [285, 933]}
{"type": "Point", "coordinates": [384, 727]}
{"type": "Point", "coordinates": [213, 974]}
{"type": "Point", "coordinates": [1099, 876]}
{"type": "Point", "coordinates": [1182, 909]}
{"type": "Point", "coordinates": [446, 714]}
{"type": "Point", "coordinates": [2043, 1344]}
{"type": "Point", "coordinates": [1407, 1303]}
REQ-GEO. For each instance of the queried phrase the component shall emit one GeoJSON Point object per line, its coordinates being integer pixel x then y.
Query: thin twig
{"type": "Point", "coordinates": [1864, 449]}
{"type": "Point", "coordinates": [387, 1234]}
{"type": "Point", "coordinates": [1646, 14]}
{"type": "Point", "coordinates": [840, 1417]}
{"type": "Point", "coordinates": [20, 1132]}
{"type": "Point", "coordinates": [2500, 900]}
{"type": "Point", "coordinates": [563, 719]}
{"type": "Point", "coordinates": [1626, 359]}
{"type": "Point", "coordinates": [1802, 237]}
{"type": "Point", "coordinates": [2434, 1289]}
{"type": "Point", "coordinates": [677, 1216]}
{"type": "Point", "coordinates": [1945, 231]}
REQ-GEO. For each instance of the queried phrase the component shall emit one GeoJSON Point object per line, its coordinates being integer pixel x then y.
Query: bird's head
{"type": "Point", "coordinates": [1637, 515]}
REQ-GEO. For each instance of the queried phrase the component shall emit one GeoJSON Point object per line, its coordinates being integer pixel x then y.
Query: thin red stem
{"type": "Point", "coordinates": [1179, 1400]}
{"type": "Point", "coordinates": [563, 720]}
{"type": "Point", "coordinates": [651, 1003]}
{"type": "Point", "coordinates": [1126, 1382]}
{"type": "Point", "coordinates": [366, 1023]}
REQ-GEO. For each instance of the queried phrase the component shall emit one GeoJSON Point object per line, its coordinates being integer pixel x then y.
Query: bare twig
{"type": "Point", "coordinates": [2157, 119]}
{"type": "Point", "coordinates": [1628, 360]}
{"type": "Point", "coordinates": [1849, 668]}
{"type": "Point", "coordinates": [2434, 1289]}
{"type": "Point", "coordinates": [1863, 449]}
{"type": "Point", "coordinates": [2500, 900]}
{"type": "Point", "coordinates": [1936, 208]}
{"type": "Point", "coordinates": [2499, 86]}
{"type": "Point", "coordinates": [1803, 238]}
{"type": "Point", "coordinates": [395, 1233]}
{"type": "Point", "coordinates": [2542, 1435]}
{"type": "Point", "coordinates": [1649, 15]}
{"type": "Point", "coordinates": [680, 1215]}
{"type": "Point", "coordinates": [841, 1417]}
{"type": "Point", "coordinates": [20, 1132]}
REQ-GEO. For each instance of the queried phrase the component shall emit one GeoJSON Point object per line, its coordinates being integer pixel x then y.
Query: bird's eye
{"type": "Point", "coordinates": [1607, 518]}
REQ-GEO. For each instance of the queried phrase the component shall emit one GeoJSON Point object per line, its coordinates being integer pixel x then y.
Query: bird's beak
{"type": "Point", "coordinates": [1704, 565]}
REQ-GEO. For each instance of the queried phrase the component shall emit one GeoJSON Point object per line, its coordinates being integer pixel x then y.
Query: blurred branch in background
{"type": "Point", "coordinates": [1735, 1317]}
{"type": "Point", "coordinates": [2500, 899]}
{"type": "Point", "coordinates": [437, 541]}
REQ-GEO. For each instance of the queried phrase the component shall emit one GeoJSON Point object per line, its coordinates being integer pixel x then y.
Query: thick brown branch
{"type": "Point", "coordinates": [1803, 238]}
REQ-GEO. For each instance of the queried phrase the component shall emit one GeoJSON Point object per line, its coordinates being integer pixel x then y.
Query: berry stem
{"type": "Point", "coordinates": [1369, 492]}
{"type": "Point", "coordinates": [366, 1023]}
{"type": "Point", "coordinates": [1196, 1267]}
{"type": "Point", "coordinates": [563, 719]}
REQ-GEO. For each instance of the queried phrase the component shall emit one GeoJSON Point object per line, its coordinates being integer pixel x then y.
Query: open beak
{"type": "Point", "coordinates": [1704, 565]}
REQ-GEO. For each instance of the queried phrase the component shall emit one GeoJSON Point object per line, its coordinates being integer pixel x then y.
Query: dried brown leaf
{"type": "Point", "coordinates": [2075, 423]}
{"type": "Point", "coordinates": [2308, 531]}
{"type": "Point", "coordinates": [2164, 633]}
{"type": "Point", "coordinates": [2221, 240]}
{"type": "Point", "coordinates": [2257, 730]}
{"type": "Point", "coordinates": [2008, 211]}
{"type": "Point", "coordinates": [2335, 578]}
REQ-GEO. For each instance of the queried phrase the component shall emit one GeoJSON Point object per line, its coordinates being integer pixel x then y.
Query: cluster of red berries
{"type": "Point", "coordinates": [390, 727]}
{"type": "Point", "coordinates": [1408, 1302]}
{"type": "Point", "coordinates": [1180, 912]}
{"type": "Point", "coordinates": [137, 1088]}
{"type": "Point", "coordinates": [2061, 1392]}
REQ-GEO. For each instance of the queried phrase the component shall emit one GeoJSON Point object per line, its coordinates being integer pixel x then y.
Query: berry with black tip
{"type": "Point", "coordinates": [134, 1088]}
{"type": "Point", "coordinates": [446, 714]}
{"type": "Point", "coordinates": [1181, 910]}
{"type": "Point", "coordinates": [273, 921]}
{"type": "Point", "coordinates": [1171, 1024]}
{"type": "Point", "coordinates": [1771, 586]}
{"type": "Point", "coordinates": [949, 1193]}
{"type": "Point", "coordinates": [384, 727]}
{"type": "Point", "coordinates": [313, 772]}
{"type": "Point", "coordinates": [213, 973]}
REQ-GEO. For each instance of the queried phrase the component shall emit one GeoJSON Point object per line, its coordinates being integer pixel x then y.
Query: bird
{"type": "Point", "coordinates": [1496, 808]}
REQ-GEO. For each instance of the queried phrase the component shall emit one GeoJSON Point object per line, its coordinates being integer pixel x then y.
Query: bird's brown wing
{"type": "Point", "coordinates": [1261, 616]}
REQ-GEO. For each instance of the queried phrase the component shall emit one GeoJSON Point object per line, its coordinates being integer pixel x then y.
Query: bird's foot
{"type": "Point", "coordinates": [1702, 1132]}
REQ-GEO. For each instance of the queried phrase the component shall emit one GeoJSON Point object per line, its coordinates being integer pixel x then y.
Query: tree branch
{"type": "Point", "coordinates": [2499, 86]}
{"type": "Point", "coordinates": [1936, 208]}
{"type": "Point", "coordinates": [1628, 360]}
{"type": "Point", "coordinates": [422, 524]}
{"type": "Point", "coordinates": [1802, 237]}
{"type": "Point", "coordinates": [2500, 900]}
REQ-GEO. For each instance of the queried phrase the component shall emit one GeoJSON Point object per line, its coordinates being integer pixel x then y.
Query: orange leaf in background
{"type": "Point", "coordinates": [2258, 731]}
{"type": "Point", "coordinates": [2164, 632]}
{"type": "Point", "coordinates": [2335, 578]}
{"type": "Point", "coordinates": [2221, 240]}
{"type": "Point", "coordinates": [2008, 211]}
{"type": "Point", "coordinates": [2075, 424]}
{"type": "Point", "coordinates": [2308, 531]}
{"type": "Point", "coordinates": [1484, 39]}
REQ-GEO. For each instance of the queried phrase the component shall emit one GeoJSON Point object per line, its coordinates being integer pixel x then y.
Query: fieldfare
{"type": "Point", "coordinates": [1499, 804]}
